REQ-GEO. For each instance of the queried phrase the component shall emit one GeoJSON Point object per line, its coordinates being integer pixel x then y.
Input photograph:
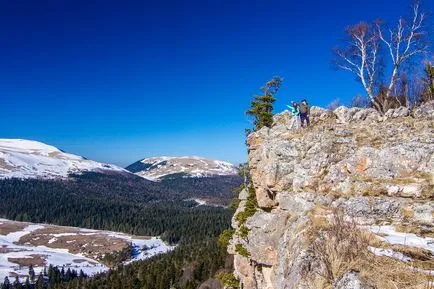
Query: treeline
{"type": "Point", "coordinates": [101, 202]}
{"type": "Point", "coordinates": [216, 188]}
{"type": "Point", "coordinates": [52, 277]}
{"type": "Point", "coordinates": [185, 268]}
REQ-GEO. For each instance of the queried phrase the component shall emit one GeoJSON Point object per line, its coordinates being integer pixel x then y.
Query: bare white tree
{"type": "Point", "coordinates": [361, 56]}
{"type": "Point", "coordinates": [406, 41]}
{"type": "Point", "coordinates": [361, 53]}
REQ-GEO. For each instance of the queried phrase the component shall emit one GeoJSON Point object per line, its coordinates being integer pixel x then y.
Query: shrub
{"type": "Point", "coordinates": [243, 232]}
{"type": "Point", "coordinates": [228, 280]}
{"type": "Point", "coordinates": [235, 203]}
{"type": "Point", "coordinates": [225, 237]}
{"type": "Point", "coordinates": [250, 208]}
{"type": "Point", "coordinates": [338, 247]}
{"type": "Point", "coordinates": [241, 250]}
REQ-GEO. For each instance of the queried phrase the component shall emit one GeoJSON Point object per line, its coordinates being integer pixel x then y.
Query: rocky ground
{"type": "Point", "coordinates": [346, 203]}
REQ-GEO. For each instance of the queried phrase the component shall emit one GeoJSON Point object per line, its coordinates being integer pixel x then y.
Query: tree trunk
{"type": "Point", "coordinates": [392, 80]}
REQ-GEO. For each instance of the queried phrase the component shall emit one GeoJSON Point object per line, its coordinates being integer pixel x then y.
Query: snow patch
{"type": "Point", "coordinates": [389, 253]}
{"type": "Point", "coordinates": [390, 235]}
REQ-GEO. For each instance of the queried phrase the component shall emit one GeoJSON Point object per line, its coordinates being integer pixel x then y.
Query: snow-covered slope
{"type": "Point", "coordinates": [31, 159]}
{"type": "Point", "coordinates": [158, 167]}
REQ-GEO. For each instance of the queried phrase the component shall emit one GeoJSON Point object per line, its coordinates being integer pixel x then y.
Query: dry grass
{"type": "Point", "coordinates": [338, 249]}
{"type": "Point", "coordinates": [365, 138]}
{"type": "Point", "coordinates": [388, 273]}
{"type": "Point", "coordinates": [340, 246]}
{"type": "Point", "coordinates": [35, 260]}
{"type": "Point", "coordinates": [407, 213]}
{"type": "Point", "coordinates": [90, 245]}
{"type": "Point", "coordinates": [416, 229]}
{"type": "Point", "coordinates": [421, 258]}
{"type": "Point", "coordinates": [10, 227]}
{"type": "Point", "coordinates": [378, 185]}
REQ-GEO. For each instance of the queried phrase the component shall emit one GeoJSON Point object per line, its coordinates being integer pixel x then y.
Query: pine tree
{"type": "Point", "coordinates": [27, 284]}
{"type": "Point", "coordinates": [6, 284]}
{"type": "Point", "coordinates": [40, 282]}
{"type": "Point", "coordinates": [31, 273]}
{"type": "Point", "coordinates": [17, 284]}
{"type": "Point", "coordinates": [261, 108]}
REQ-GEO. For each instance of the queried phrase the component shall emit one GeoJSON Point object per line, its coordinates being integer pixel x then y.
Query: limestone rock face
{"type": "Point", "coordinates": [376, 170]}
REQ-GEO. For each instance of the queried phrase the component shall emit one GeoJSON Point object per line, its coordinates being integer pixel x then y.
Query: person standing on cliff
{"type": "Point", "coordinates": [295, 111]}
{"type": "Point", "coordinates": [304, 113]}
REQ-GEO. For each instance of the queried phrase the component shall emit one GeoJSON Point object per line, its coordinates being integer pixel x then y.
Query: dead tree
{"type": "Point", "coordinates": [404, 42]}
{"type": "Point", "coordinates": [361, 57]}
{"type": "Point", "coordinates": [361, 54]}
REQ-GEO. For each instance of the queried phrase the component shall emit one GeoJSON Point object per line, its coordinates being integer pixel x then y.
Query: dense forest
{"type": "Point", "coordinates": [136, 206]}
{"type": "Point", "coordinates": [216, 189]}
{"type": "Point", "coordinates": [112, 203]}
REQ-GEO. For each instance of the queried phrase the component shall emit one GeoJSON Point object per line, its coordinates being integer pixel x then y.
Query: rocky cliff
{"type": "Point", "coordinates": [346, 203]}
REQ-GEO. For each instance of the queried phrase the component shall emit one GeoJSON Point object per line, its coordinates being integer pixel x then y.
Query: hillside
{"type": "Point", "coordinates": [42, 184]}
{"type": "Point", "coordinates": [206, 181]}
{"type": "Point", "coordinates": [21, 158]}
{"type": "Point", "coordinates": [347, 203]}
{"type": "Point", "coordinates": [158, 168]}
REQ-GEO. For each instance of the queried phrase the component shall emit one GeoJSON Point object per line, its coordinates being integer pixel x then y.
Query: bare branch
{"type": "Point", "coordinates": [360, 56]}
{"type": "Point", "coordinates": [404, 43]}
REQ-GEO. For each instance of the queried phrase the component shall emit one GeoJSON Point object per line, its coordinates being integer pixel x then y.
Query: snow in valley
{"type": "Point", "coordinates": [41, 245]}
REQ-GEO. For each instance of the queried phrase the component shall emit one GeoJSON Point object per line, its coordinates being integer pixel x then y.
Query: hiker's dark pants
{"type": "Point", "coordinates": [304, 117]}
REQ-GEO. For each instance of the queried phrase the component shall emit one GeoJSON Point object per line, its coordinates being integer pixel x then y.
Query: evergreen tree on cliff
{"type": "Point", "coordinates": [261, 108]}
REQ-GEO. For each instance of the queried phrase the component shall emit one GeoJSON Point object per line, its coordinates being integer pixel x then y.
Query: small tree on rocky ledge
{"type": "Point", "coordinates": [261, 108]}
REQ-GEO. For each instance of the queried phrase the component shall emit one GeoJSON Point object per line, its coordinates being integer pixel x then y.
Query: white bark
{"type": "Point", "coordinates": [404, 43]}
{"type": "Point", "coordinates": [361, 57]}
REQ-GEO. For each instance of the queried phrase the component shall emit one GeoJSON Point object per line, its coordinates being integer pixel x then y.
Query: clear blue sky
{"type": "Point", "coordinates": [116, 81]}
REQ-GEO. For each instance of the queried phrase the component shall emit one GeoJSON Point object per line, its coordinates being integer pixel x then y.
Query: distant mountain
{"type": "Point", "coordinates": [28, 159]}
{"type": "Point", "coordinates": [158, 168]}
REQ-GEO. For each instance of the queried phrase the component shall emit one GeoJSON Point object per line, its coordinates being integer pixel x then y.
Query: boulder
{"type": "Point", "coordinates": [282, 118]}
{"type": "Point", "coordinates": [397, 112]}
{"type": "Point", "coordinates": [367, 114]}
{"type": "Point", "coordinates": [425, 110]}
{"type": "Point", "coordinates": [345, 114]}
{"type": "Point", "coordinates": [319, 113]}
{"type": "Point", "coordinates": [350, 280]}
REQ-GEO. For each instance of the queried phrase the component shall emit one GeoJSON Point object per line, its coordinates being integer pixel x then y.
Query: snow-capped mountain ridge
{"type": "Point", "coordinates": [20, 158]}
{"type": "Point", "coordinates": [189, 166]}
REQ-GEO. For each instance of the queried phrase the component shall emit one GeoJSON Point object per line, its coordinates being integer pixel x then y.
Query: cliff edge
{"type": "Point", "coordinates": [346, 203]}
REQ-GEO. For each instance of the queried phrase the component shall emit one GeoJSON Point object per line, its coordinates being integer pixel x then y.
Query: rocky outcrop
{"type": "Point", "coordinates": [353, 168]}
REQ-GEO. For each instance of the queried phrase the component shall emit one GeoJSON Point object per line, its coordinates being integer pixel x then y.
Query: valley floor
{"type": "Point", "coordinates": [40, 245]}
